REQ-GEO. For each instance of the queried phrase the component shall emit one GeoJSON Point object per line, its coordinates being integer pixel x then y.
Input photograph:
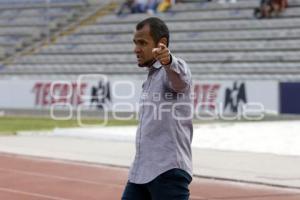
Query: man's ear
{"type": "Point", "coordinates": [163, 40]}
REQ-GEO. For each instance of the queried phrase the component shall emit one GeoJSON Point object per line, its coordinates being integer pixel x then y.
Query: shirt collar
{"type": "Point", "coordinates": [157, 65]}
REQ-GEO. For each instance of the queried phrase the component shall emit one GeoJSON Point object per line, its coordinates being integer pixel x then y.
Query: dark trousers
{"type": "Point", "coordinates": [171, 185]}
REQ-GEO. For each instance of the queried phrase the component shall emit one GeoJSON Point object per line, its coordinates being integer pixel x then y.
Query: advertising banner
{"type": "Point", "coordinates": [225, 97]}
{"type": "Point", "coordinates": [290, 98]}
{"type": "Point", "coordinates": [89, 92]}
{"type": "Point", "coordinates": [92, 92]}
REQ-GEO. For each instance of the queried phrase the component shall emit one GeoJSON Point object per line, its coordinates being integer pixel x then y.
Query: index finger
{"type": "Point", "coordinates": [162, 45]}
{"type": "Point", "coordinates": [155, 50]}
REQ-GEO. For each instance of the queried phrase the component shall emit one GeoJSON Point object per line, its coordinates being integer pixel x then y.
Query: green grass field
{"type": "Point", "coordinates": [10, 125]}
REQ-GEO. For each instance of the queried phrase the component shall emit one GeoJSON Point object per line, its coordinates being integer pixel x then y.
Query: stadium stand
{"type": "Point", "coordinates": [21, 22]}
{"type": "Point", "coordinates": [217, 40]}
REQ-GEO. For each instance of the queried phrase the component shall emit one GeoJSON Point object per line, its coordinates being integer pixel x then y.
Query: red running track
{"type": "Point", "coordinates": [32, 178]}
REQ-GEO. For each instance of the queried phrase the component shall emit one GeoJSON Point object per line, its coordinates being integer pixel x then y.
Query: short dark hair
{"type": "Point", "coordinates": [158, 28]}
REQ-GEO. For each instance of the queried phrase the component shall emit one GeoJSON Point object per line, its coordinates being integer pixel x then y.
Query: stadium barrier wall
{"type": "Point", "coordinates": [290, 97]}
{"type": "Point", "coordinates": [118, 94]}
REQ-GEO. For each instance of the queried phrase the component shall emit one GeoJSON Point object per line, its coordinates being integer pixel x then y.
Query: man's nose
{"type": "Point", "coordinates": [137, 49]}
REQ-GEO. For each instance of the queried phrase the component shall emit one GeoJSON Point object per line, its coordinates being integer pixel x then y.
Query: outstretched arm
{"type": "Point", "coordinates": [176, 70]}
